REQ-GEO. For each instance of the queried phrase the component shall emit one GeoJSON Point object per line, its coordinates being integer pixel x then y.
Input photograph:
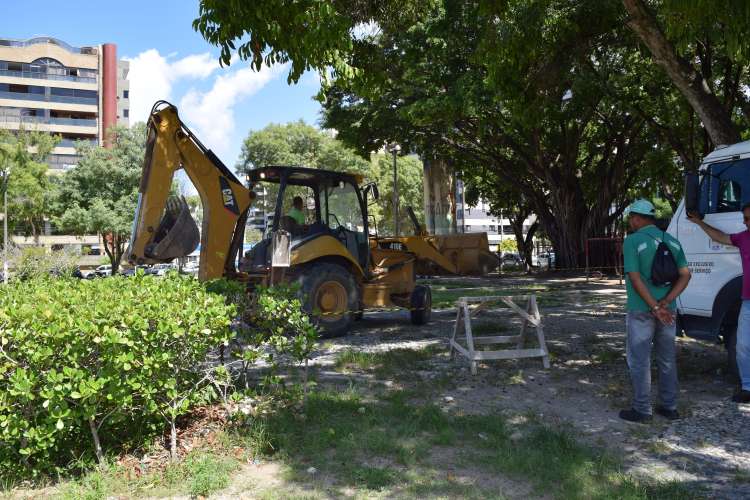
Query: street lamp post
{"type": "Point", "coordinates": [395, 148]}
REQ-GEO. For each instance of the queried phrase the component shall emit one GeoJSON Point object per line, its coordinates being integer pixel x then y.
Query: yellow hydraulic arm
{"type": "Point", "coordinates": [163, 228]}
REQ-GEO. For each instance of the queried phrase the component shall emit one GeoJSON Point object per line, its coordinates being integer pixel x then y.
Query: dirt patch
{"type": "Point", "coordinates": [584, 389]}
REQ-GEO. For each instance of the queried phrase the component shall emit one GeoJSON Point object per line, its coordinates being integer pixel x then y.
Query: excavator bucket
{"type": "Point", "coordinates": [177, 234]}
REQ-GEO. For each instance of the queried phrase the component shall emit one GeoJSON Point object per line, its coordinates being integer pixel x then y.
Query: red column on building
{"type": "Point", "coordinates": [109, 89]}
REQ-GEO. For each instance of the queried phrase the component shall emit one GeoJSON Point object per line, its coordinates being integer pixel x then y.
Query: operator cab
{"type": "Point", "coordinates": [332, 204]}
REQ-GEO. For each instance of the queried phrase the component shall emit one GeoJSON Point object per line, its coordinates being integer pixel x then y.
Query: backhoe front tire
{"type": "Point", "coordinates": [329, 293]}
{"type": "Point", "coordinates": [421, 305]}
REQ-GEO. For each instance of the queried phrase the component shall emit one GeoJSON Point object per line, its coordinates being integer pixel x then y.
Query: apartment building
{"type": "Point", "coordinates": [74, 92]}
{"type": "Point", "coordinates": [477, 219]}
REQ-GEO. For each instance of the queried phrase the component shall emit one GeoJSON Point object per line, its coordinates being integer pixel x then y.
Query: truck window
{"type": "Point", "coordinates": [730, 196]}
{"type": "Point", "coordinates": [726, 187]}
{"type": "Point", "coordinates": [342, 208]}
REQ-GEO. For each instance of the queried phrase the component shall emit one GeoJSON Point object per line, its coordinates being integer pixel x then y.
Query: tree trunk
{"type": "Point", "coordinates": [688, 81]}
{"type": "Point", "coordinates": [97, 443]}
{"type": "Point", "coordinates": [439, 197]}
{"type": "Point", "coordinates": [108, 251]}
{"type": "Point", "coordinates": [172, 439]}
{"type": "Point", "coordinates": [527, 244]}
{"type": "Point", "coordinates": [114, 251]}
{"type": "Point", "coordinates": [524, 244]}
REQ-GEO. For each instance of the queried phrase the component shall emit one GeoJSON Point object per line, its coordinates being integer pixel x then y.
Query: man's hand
{"type": "Point", "coordinates": [694, 217]}
{"type": "Point", "coordinates": [713, 233]}
{"type": "Point", "coordinates": [664, 315]}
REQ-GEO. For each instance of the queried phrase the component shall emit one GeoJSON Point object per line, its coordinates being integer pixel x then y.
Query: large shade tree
{"type": "Point", "coordinates": [702, 46]}
{"type": "Point", "coordinates": [542, 115]}
{"type": "Point", "coordinates": [99, 194]}
{"type": "Point", "coordinates": [570, 102]}
{"type": "Point", "coordinates": [23, 176]}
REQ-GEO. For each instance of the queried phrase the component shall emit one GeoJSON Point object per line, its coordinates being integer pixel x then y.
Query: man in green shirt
{"type": "Point", "coordinates": [650, 314]}
{"type": "Point", "coordinates": [296, 211]}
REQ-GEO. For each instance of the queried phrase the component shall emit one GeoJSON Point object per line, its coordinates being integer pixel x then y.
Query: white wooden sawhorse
{"type": "Point", "coordinates": [530, 316]}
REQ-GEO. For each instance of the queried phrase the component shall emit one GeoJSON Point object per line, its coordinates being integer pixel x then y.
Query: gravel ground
{"type": "Point", "coordinates": [585, 387]}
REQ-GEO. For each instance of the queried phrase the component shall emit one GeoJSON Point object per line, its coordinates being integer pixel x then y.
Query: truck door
{"type": "Point", "coordinates": [725, 188]}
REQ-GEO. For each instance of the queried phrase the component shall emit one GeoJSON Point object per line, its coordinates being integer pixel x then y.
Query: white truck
{"type": "Point", "coordinates": [709, 307]}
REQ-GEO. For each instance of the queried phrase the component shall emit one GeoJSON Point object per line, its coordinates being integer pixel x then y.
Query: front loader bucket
{"type": "Point", "coordinates": [177, 234]}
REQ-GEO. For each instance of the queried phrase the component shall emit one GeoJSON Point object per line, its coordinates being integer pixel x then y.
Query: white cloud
{"type": "Point", "coordinates": [152, 77]}
{"type": "Point", "coordinates": [211, 113]}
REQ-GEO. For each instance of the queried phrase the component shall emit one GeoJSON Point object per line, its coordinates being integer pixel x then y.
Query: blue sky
{"type": "Point", "coordinates": [171, 61]}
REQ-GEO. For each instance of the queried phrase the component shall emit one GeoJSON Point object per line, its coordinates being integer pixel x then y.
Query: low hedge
{"type": "Point", "coordinates": [90, 365]}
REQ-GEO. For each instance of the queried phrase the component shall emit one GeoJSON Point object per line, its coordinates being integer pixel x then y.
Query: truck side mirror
{"type": "Point", "coordinates": [692, 193]}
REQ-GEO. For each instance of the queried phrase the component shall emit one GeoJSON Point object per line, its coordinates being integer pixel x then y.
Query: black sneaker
{"type": "Point", "coordinates": [635, 416]}
{"type": "Point", "coordinates": [668, 414]}
{"type": "Point", "coordinates": [741, 396]}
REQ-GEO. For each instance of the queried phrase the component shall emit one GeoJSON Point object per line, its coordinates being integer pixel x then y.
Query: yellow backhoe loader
{"type": "Point", "coordinates": [322, 215]}
{"type": "Point", "coordinates": [444, 254]}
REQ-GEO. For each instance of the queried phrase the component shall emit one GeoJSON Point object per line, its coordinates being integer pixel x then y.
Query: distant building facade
{"type": "Point", "coordinates": [74, 92]}
{"type": "Point", "coordinates": [477, 219]}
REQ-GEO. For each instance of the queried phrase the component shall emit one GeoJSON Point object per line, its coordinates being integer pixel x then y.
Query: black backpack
{"type": "Point", "coordinates": [664, 268]}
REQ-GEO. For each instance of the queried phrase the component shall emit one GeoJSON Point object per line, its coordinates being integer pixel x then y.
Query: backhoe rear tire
{"type": "Point", "coordinates": [421, 305]}
{"type": "Point", "coordinates": [329, 293]}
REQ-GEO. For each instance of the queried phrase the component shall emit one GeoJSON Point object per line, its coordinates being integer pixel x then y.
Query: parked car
{"type": "Point", "coordinates": [132, 270]}
{"type": "Point", "coordinates": [511, 259]}
{"type": "Point", "coordinates": [546, 260]}
{"type": "Point", "coordinates": [191, 268]}
{"type": "Point", "coordinates": [76, 273]}
{"type": "Point", "coordinates": [100, 272]}
{"type": "Point", "coordinates": [161, 269]}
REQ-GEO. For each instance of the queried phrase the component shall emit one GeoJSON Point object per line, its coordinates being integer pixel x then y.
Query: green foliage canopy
{"type": "Point", "coordinates": [23, 174]}
{"type": "Point", "coordinates": [300, 144]}
{"type": "Point", "coordinates": [99, 195]}
{"type": "Point", "coordinates": [91, 364]}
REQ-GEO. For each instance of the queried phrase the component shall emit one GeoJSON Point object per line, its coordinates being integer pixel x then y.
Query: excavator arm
{"type": "Point", "coordinates": [163, 228]}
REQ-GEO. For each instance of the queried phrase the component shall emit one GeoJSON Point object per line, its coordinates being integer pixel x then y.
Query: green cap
{"type": "Point", "coordinates": [643, 207]}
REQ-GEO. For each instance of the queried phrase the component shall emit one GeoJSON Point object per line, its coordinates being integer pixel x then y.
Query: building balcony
{"type": "Point", "coordinates": [46, 76]}
{"type": "Point", "coordinates": [40, 120]}
{"type": "Point", "coordinates": [49, 98]}
{"type": "Point", "coordinates": [71, 143]}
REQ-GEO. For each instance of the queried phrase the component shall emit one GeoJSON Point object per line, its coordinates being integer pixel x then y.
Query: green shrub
{"type": "Point", "coordinates": [277, 326]}
{"type": "Point", "coordinates": [88, 365]}
{"type": "Point", "coordinates": [35, 262]}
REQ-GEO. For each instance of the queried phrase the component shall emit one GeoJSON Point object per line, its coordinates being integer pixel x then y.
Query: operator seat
{"type": "Point", "coordinates": [291, 226]}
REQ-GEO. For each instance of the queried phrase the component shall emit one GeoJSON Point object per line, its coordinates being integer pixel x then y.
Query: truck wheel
{"type": "Point", "coordinates": [421, 305]}
{"type": "Point", "coordinates": [329, 293]}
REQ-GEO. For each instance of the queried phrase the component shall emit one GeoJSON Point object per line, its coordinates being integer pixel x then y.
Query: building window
{"type": "Point", "coordinates": [126, 95]}
{"type": "Point", "coordinates": [126, 113]}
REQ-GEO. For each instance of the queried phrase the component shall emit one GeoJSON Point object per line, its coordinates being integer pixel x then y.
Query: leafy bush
{"type": "Point", "coordinates": [85, 365]}
{"type": "Point", "coordinates": [36, 262]}
{"type": "Point", "coordinates": [277, 326]}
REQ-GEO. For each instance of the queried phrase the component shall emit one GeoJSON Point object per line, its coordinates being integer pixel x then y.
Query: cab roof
{"type": "Point", "coordinates": [301, 176]}
{"type": "Point", "coordinates": [725, 152]}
